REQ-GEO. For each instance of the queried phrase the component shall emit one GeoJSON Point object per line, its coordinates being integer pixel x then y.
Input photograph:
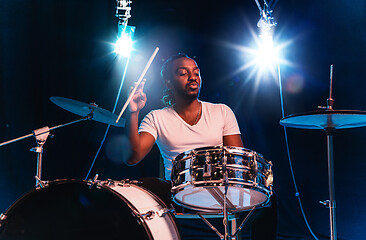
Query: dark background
{"type": "Point", "coordinates": [64, 48]}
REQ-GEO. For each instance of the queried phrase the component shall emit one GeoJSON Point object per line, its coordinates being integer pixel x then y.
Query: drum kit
{"type": "Point", "coordinates": [218, 180]}
{"type": "Point", "coordinates": [225, 180]}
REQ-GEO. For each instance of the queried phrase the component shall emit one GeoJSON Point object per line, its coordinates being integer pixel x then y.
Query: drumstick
{"type": "Point", "coordinates": [138, 83]}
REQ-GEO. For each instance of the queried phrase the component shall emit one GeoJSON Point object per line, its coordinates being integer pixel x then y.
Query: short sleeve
{"type": "Point", "coordinates": [148, 125]}
{"type": "Point", "coordinates": [231, 126]}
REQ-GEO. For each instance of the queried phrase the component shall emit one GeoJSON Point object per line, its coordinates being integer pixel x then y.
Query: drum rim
{"type": "Point", "coordinates": [188, 154]}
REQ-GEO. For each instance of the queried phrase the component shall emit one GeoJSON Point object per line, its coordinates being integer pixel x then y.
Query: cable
{"type": "Point", "coordinates": [114, 109]}
{"type": "Point", "coordinates": [297, 194]}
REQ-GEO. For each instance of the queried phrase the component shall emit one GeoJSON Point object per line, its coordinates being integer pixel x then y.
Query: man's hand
{"type": "Point", "coordinates": [138, 100]}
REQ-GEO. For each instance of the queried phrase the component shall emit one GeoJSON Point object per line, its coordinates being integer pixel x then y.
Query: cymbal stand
{"type": "Point", "coordinates": [331, 203]}
{"type": "Point", "coordinates": [329, 130]}
{"type": "Point", "coordinates": [41, 136]}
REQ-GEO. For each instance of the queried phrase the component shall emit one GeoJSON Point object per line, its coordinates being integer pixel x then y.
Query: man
{"type": "Point", "coordinates": [186, 123]}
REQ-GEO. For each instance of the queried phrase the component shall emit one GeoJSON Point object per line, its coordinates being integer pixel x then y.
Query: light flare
{"type": "Point", "coordinates": [124, 44]}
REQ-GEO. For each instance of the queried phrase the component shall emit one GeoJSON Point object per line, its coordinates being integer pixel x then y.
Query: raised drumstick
{"type": "Point", "coordinates": [138, 83]}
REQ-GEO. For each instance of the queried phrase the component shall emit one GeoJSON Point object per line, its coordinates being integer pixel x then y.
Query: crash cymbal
{"type": "Point", "coordinates": [84, 109]}
{"type": "Point", "coordinates": [334, 119]}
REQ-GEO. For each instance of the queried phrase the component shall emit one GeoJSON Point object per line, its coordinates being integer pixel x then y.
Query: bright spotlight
{"type": "Point", "coordinates": [267, 54]}
{"type": "Point", "coordinates": [124, 42]}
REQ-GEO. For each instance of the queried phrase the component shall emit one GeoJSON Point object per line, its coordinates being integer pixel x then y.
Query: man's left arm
{"type": "Point", "coordinates": [233, 140]}
{"type": "Point", "coordinates": [231, 132]}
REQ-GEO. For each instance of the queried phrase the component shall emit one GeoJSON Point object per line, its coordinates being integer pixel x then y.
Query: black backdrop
{"type": "Point", "coordinates": [63, 48]}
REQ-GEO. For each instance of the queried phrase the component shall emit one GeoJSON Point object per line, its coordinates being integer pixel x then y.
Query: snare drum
{"type": "Point", "coordinates": [74, 209]}
{"type": "Point", "coordinates": [198, 178]}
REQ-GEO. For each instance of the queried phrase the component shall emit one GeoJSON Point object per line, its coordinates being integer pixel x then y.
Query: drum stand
{"type": "Point", "coordinates": [226, 218]}
{"type": "Point", "coordinates": [234, 232]}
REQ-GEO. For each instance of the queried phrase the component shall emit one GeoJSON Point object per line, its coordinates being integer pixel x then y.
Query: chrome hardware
{"type": "Point", "coordinates": [40, 183]}
{"type": "Point", "coordinates": [109, 182]}
{"type": "Point", "coordinates": [163, 211]}
{"type": "Point", "coordinates": [207, 166]}
{"type": "Point", "coordinates": [2, 218]}
{"type": "Point", "coordinates": [127, 182]}
{"type": "Point", "coordinates": [328, 203]}
{"type": "Point", "coordinates": [93, 182]}
{"type": "Point", "coordinates": [148, 215]}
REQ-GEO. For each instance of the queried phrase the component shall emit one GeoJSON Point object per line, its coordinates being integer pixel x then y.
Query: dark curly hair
{"type": "Point", "coordinates": [168, 98]}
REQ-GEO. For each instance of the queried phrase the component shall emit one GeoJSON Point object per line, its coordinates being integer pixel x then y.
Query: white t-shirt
{"type": "Point", "coordinates": [174, 136]}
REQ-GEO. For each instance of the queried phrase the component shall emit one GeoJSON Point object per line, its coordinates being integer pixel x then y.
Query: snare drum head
{"type": "Point", "coordinates": [70, 210]}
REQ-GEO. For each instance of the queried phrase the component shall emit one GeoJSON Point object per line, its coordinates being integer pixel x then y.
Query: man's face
{"type": "Point", "coordinates": [186, 78]}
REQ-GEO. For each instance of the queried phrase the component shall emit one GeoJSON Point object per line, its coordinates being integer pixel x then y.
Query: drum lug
{"type": "Point", "coordinates": [269, 181]}
{"type": "Point", "coordinates": [269, 175]}
{"type": "Point", "coordinates": [127, 182]}
{"type": "Point", "coordinates": [93, 182]}
{"type": "Point", "coordinates": [148, 215]}
{"type": "Point", "coordinates": [207, 166]}
{"type": "Point", "coordinates": [253, 169]}
{"type": "Point", "coordinates": [109, 182]}
{"type": "Point", "coordinates": [163, 211]}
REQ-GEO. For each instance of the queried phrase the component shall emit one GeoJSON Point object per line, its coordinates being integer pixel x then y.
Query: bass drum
{"type": "Point", "coordinates": [75, 209]}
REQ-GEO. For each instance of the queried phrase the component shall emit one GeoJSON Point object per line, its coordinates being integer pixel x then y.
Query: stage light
{"type": "Point", "coordinates": [266, 53]}
{"type": "Point", "coordinates": [124, 42]}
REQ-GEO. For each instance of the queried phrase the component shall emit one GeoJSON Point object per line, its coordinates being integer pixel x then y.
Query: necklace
{"type": "Point", "coordinates": [198, 115]}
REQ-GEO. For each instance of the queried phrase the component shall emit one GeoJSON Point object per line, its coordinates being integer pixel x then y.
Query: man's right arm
{"type": "Point", "coordinates": [141, 143]}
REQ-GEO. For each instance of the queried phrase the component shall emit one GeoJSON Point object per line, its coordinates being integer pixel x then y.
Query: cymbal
{"type": "Point", "coordinates": [328, 119]}
{"type": "Point", "coordinates": [84, 109]}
